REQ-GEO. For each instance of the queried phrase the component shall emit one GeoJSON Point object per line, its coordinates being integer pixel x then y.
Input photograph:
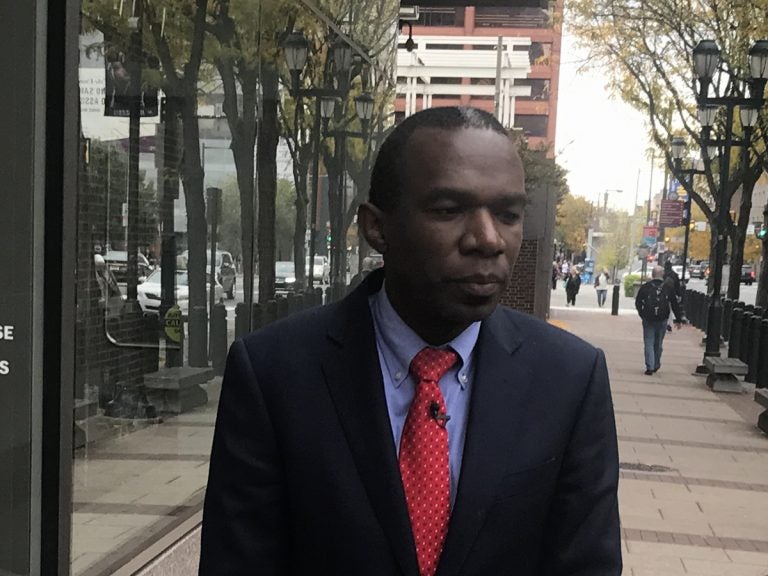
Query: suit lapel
{"type": "Point", "coordinates": [353, 376]}
{"type": "Point", "coordinates": [497, 410]}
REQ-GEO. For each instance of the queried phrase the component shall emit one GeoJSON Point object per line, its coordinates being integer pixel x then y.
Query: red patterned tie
{"type": "Point", "coordinates": [424, 458]}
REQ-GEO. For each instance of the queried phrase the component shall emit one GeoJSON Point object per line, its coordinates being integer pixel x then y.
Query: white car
{"type": "Point", "coordinates": [150, 291]}
{"type": "Point", "coordinates": [320, 271]}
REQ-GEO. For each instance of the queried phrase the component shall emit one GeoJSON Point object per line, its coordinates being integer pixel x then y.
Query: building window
{"type": "Point", "coordinates": [539, 88]}
{"type": "Point", "coordinates": [532, 125]}
{"type": "Point", "coordinates": [511, 17]}
{"type": "Point", "coordinates": [539, 53]}
{"type": "Point", "coordinates": [441, 17]}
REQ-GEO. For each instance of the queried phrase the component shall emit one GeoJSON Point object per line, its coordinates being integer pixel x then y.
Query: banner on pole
{"type": "Point", "coordinates": [671, 214]}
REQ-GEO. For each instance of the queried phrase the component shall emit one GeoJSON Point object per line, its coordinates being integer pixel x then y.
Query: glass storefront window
{"type": "Point", "coordinates": [208, 184]}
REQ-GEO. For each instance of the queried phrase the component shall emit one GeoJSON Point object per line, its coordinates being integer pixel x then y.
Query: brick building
{"type": "Point", "coordinates": [506, 60]}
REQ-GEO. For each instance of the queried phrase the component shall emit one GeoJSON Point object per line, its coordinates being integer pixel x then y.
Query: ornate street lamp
{"type": "Point", "coordinates": [343, 68]}
{"type": "Point", "coordinates": [341, 53]}
{"type": "Point", "coordinates": [678, 148]}
{"type": "Point", "coordinates": [364, 109]}
{"type": "Point", "coordinates": [296, 50]}
{"type": "Point", "coordinates": [706, 61]}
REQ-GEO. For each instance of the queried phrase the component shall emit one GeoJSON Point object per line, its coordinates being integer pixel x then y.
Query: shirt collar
{"type": "Point", "coordinates": [403, 343]}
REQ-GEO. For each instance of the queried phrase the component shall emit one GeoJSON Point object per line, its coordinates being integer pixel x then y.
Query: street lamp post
{"type": "Point", "coordinates": [706, 56]}
{"type": "Point", "coordinates": [296, 51]}
{"type": "Point", "coordinates": [678, 149]}
{"type": "Point", "coordinates": [364, 110]}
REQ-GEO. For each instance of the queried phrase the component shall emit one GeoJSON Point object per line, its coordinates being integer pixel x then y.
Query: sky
{"type": "Point", "coordinates": [600, 140]}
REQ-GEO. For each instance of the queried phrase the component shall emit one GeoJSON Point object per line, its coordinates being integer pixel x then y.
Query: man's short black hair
{"type": "Point", "coordinates": [386, 178]}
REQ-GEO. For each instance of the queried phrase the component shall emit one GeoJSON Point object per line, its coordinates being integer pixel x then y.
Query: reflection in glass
{"type": "Point", "coordinates": [160, 295]}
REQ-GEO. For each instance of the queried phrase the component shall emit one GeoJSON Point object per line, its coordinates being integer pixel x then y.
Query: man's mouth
{"type": "Point", "coordinates": [480, 285]}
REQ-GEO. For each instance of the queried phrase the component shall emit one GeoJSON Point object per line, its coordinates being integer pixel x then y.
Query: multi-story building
{"type": "Point", "coordinates": [528, 70]}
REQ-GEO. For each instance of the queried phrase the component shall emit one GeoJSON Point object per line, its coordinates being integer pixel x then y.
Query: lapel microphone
{"type": "Point", "coordinates": [440, 417]}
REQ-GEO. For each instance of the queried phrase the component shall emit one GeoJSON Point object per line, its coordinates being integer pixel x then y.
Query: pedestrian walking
{"type": "Point", "coordinates": [601, 286]}
{"type": "Point", "coordinates": [555, 275]}
{"type": "Point", "coordinates": [416, 426]}
{"type": "Point", "coordinates": [572, 285]}
{"type": "Point", "coordinates": [671, 278]}
{"type": "Point", "coordinates": [653, 302]}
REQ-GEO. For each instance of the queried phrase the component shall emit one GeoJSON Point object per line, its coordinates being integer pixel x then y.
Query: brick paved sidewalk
{"type": "Point", "coordinates": [694, 465]}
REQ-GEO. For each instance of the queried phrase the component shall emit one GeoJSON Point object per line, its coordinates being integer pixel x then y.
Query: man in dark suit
{"type": "Point", "coordinates": [332, 457]}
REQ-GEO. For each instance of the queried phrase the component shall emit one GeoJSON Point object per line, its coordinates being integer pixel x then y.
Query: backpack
{"type": "Point", "coordinates": [656, 303]}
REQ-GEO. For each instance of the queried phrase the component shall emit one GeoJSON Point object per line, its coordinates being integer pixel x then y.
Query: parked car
{"type": "Point", "coordinates": [699, 269]}
{"type": "Point", "coordinates": [224, 268]}
{"type": "Point", "coordinates": [377, 259]}
{"type": "Point", "coordinates": [321, 270]}
{"type": "Point", "coordinates": [111, 298]}
{"type": "Point", "coordinates": [285, 277]}
{"type": "Point", "coordinates": [747, 274]}
{"type": "Point", "coordinates": [678, 269]}
{"type": "Point", "coordinates": [117, 262]}
{"type": "Point", "coordinates": [149, 292]}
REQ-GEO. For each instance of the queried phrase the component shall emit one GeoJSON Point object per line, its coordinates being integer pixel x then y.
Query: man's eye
{"type": "Point", "coordinates": [451, 210]}
{"type": "Point", "coordinates": [508, 216]}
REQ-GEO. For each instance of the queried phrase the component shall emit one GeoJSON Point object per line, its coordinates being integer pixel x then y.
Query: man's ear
{"type": "Point", "coordinates": [370, 220]}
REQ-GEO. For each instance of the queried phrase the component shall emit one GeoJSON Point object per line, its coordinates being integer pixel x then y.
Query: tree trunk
{"type": "Point", "coordinates": [242, 127]}
{"type": "Point", "coordinates": [266, 161]}
{"type": "Point", "coordinates": [197, 231]}
{"type": "Point", "coordinates": [334, 171]}
{"type": "Point", "coordinates": [739, 232]}
{"type": "Point", "coordinates": [761, 299]}
{"type": "Point", "coordinates": [300, 230]}
{"type": "Point", "coordinates": [243, 154]}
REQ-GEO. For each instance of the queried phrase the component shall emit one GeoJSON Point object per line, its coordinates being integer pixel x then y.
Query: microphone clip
{"type": "Point", "coordinates": [440, 417]}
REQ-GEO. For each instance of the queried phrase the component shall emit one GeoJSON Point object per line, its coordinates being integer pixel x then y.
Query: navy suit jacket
{"type": "Point", "coordinates": [304, 476]}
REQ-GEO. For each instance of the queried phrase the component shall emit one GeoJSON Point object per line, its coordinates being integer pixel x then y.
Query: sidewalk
{"type": "Point", "coordinates": [694, 465]}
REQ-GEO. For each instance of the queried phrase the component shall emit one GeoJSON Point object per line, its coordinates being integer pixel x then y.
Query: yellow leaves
{"type": "Point", "coordinates": [573, 218]}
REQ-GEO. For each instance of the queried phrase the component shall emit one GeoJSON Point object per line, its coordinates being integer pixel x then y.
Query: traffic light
{"type": "Point", "coordinates": [761, 230]}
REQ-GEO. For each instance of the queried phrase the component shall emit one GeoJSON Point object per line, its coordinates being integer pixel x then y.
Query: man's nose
{"type": "Point", "coordinates": [481, 234]}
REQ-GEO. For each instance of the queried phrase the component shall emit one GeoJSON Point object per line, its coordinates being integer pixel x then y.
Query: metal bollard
{"type": "Point", "coordinates": [282, 307]}
{"type": "Point", "coordinates": [746, 319]}
{"type": "Point", "coordinates": [753, 357]}
{"type": "Point", "coordinates": [698, 309]}
{"type": "Point", "coordinates": [270, 312]}
{"type": "Point", "coordinates": [292, 304]}
{"type": "Point", "coordinates": [257, 315]}
{"type": "Point", "coordinates": [693, 308]}
{"type": "Point", "coordinates": [241, 320]}
{"type": "Point", "coordinates": [219, 338]}
{"type": "Point", "coordinates": [198, 336]}
{"type": "Point", "coordinates": [703, 303]}
{"type": "Point", "coordinates": [615, 301]}
{"type": "Point", "coordinates": [734, 342]}
{"type": "Point", "coordinates": [762, 370]}
{"type": "Point", "coordinates": [152, 352]}
{"type": "Point", "coordinates": [726, 325]}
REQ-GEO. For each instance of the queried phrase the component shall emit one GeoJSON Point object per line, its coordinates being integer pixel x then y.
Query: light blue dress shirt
{"type": "Point", "coordinates": [397, 344]}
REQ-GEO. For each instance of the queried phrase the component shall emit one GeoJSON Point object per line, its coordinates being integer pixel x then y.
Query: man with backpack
{"type": "Point", "coordinates": [653, 303]}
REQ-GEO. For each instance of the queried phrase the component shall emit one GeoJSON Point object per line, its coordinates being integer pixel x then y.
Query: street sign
{"type": "Point", "coordinates": [173, 324]}
{"type": "Point", "coordinates": [671, 213]}
{"type": "Point", "coordinates": [650, 233]}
